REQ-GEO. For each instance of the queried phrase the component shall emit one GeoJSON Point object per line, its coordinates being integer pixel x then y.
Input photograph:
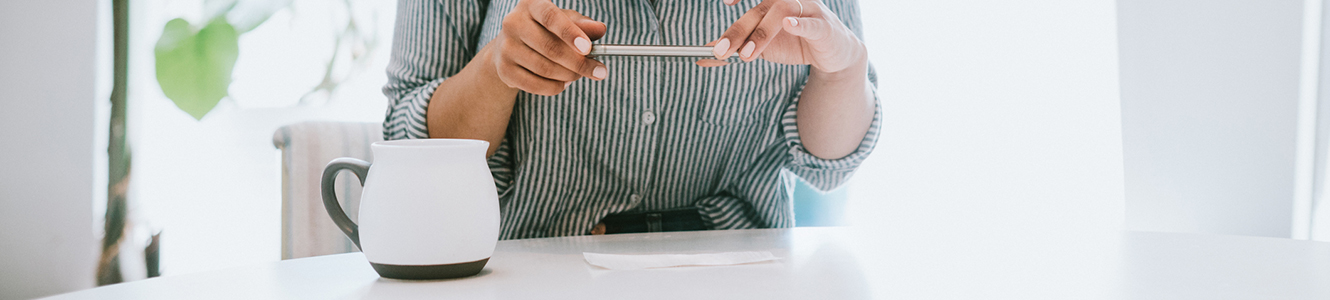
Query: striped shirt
{"type": "Point", "coordinates": [656, 134]}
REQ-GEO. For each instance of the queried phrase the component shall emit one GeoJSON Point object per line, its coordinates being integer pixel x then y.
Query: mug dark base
{"type": "Point", "coordinates": [428, 272]}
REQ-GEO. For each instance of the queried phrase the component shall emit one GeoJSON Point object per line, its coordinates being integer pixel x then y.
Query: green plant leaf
{"type": "Point", "coordinates": [194, 67]}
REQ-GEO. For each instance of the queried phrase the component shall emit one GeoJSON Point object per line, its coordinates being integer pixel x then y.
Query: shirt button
{"type": "Point", "coordinates": [648, 118]}
{"type": "Point", "coordinates": [635, 198]}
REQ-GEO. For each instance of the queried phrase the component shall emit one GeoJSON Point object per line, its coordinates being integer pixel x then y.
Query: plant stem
{"type": "Point", "coordinates": [118, 156]}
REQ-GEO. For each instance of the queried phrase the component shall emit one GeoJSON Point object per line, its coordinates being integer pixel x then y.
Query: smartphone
{"type": "Point", "coordinates": [652, 50]}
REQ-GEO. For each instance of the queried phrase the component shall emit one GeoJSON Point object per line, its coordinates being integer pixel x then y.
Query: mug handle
{"type": "Point", "coordinates": [361, 168]}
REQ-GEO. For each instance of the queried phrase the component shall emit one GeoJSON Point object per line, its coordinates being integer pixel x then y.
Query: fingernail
{"type": "Point", "coordinates": [748, 50]}
{"type": "Point", "coordinates": [566, 84]}
{"type": "Point", "coordinates": [582, 44]}
{"type": "Point", "coordinates": [721, 47]}
{"type": "Point", "coordinates": [793, 22]}
{"type": "Point", "coordinates": [600, 72]}
{"type": "Point", "coordinates": [730, 2]}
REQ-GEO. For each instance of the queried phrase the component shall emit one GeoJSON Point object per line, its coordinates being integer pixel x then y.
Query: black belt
{"type": "Point", "coordinates": [681, 219]}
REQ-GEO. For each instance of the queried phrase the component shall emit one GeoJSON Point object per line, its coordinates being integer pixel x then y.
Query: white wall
{"type": "Point", "coordinates": [47, 55]}
{"type": "Point", "coordinates": [1316, 224]}
{"type": "Point", "coordinates": [1001, 127]}
{"type": "Point", "coordinates": [1209, 114]}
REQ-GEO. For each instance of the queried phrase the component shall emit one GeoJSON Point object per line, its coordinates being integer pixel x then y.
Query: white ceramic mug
{"type": "Point", "coordinates": [429, 209]}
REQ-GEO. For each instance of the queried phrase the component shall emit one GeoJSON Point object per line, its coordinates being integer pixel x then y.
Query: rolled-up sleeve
{"type": "Point", "coordinates": [827, 174]}
{"type": "Point", "coordinates": [432, 40]}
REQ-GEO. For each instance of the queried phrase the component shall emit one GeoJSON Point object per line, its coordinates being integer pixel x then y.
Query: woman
{"type": "Point", "coordinates": [590, 145]}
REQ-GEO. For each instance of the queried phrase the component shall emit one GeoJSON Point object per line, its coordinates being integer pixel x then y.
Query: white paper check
{"type": "Point", "coordinates": [650, 261]}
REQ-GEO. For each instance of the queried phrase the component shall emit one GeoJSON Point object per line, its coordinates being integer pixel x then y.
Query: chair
{"type": "Point", "coordinates": [813, 208]}
{"type": "Point", "coordinates": [306, 148]}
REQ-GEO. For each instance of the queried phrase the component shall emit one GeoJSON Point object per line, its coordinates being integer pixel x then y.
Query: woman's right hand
{"type": "Point", "coordinates": [541, 49]}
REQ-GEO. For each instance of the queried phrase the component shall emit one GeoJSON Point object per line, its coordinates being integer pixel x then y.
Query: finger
{"type": "Point", "coordinates": [719, 55]}
{"type": "Point", "coordinates": [593, 29]}
{"type": "Point", "coordinates": [558, 23]}
{"type": "Point", "coordinates": [552, 48]}
{"type": "Point", "coordinates": [541, 66]}
{"type": "Point", "coordinates": [738, 32]}
{"type": "Point", "coordinates": [722, 48]}
{"type": "Point", "coordinates": [767, 29]}
{"type": "Point", "coordinates": [811, 29]}
{"type": "Point", "coordinates": [711, 63]}
{"type": "Point", "coordinates": [516, 76]}
{"type": "Point", "coordinates": [730, 2]}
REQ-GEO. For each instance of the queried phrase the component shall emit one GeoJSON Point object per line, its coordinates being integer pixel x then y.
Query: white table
{"type": "Point", "coordinates": [816, 263]}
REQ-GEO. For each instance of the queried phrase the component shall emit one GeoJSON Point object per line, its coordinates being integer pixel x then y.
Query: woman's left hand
{"type": "Point", "coordinates": [778, 31]}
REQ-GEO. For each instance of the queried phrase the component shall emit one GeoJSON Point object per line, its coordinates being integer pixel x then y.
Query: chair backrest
{"type": "Point", "coordinates": [306, 148]}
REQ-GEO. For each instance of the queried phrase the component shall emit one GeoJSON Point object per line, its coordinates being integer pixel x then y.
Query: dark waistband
{"type": "Point", "coordinates": [681, 219]}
